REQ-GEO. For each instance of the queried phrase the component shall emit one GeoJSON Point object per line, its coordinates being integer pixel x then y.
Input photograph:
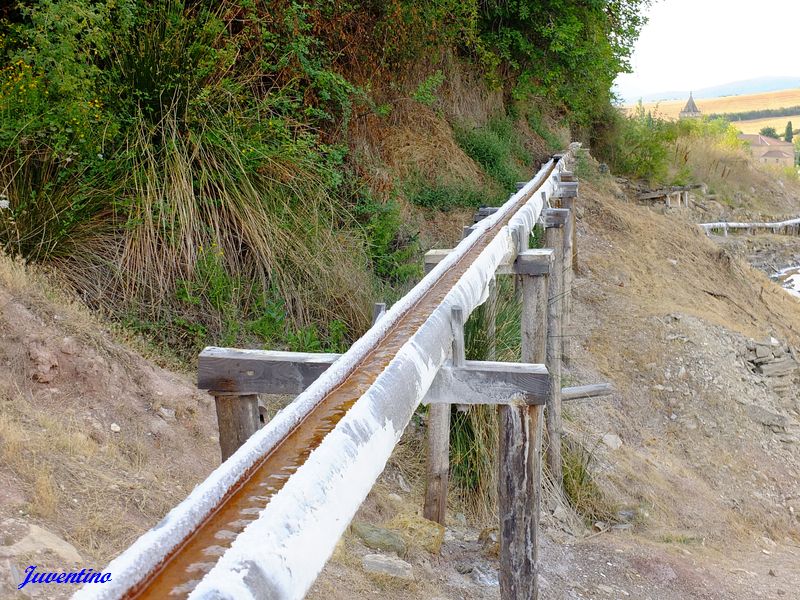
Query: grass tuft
{"type": "Point", "coordinates": [580, 486]}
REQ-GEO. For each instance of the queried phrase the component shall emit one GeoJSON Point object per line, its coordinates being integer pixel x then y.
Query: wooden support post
{"type": "Point", "coordinates": [237, 418]}
{"type": "Point", "coordinates": [520, 472]}
{"type": "Point", "coordinates": [491, 321]}
{"type": "Point", "coordinates": [554, 238]}
{"type": "Point", "coordinates": [523, 239]}
{"type": "Point", "coordinates": [438, 460]}
{"type": "Point", "coordinates": [567, 278]}
{"type": "Point", "coordinates": [378, 310]}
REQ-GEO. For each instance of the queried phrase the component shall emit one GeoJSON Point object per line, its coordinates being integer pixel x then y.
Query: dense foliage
{"type": "Point", "coordinates": [185, 162]}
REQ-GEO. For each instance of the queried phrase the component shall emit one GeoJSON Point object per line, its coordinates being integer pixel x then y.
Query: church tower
{"type": "Point", "coordinates": [690, 111]}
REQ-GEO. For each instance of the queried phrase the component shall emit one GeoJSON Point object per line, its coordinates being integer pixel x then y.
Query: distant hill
{"type": "Point", "coordinates": [748, 86]}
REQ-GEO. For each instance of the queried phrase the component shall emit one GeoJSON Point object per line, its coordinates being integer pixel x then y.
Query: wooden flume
{"type": "Point", "coordinates": [521, 390]}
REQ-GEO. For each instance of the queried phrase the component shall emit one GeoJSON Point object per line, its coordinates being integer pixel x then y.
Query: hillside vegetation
{"type": "Point", "coordinates": [258, 172]}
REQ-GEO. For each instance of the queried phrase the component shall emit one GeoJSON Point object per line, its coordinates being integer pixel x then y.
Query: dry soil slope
{"type": "Point", "coordinates": [96, 442]}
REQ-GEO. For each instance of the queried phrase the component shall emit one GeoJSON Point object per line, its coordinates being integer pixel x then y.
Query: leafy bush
{"type": "Point", "coordinates": [642, 146]}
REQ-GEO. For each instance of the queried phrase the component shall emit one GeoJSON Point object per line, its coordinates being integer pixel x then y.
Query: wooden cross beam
{"type": "Point", "coordinates": [528, 262]}
{"type": "Point", "coordinates": [489, 382]}
{"type": "Point", "coordinates": [230, 371]}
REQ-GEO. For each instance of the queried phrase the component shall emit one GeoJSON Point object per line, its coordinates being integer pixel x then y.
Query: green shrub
{"type": "Point", "coordinates": [445, 196]}
{"type": "Point", "coordinates": [642, 146]}
{"type": "Point", "coordinates": [392, 247]}
{"type": "Point", "coordinates": [498, 148]}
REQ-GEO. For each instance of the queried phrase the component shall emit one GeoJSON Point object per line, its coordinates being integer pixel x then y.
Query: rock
{"type": "Point", "coordinates": [69, 346]}
{"type": "Point", "coordinates": [379, 538]}
{"type": "Point", "coordinates": [45, 363]}
{"type": "Point", "coordinates": [464, 568]}
{"type": "Point", "coordinates": [560, 514]}
{"type": "Point", "coordinates": [115, 428]}
{"type": "Point", "coordinates": [766, 417]}
{"type": "Point", "coordinates": [38, 540]}
{"type": "Point", "coordinates": [168, 414]}
{"type": "Point", "coordinates": [763, 351]}
{"type": "Point", "coordinates": [612, 441]}
{"type": "Point", "coordinates": [605, 588]}
{"type": "Point", "coordinates": [391, 566]}
{"type": "Point", "coordinates": [418, 531]}
{"type": "Point", "coordinates": [484, 577]}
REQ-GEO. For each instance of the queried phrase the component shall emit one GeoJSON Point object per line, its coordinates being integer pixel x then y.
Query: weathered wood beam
{"type": "Point", "coordinates": [554, 217]}
{"type": "Point", "coordinates": [378, 310]}
{"type": "Point", "coordinates": [529, 262]}
{"type": "Point", "coordinates": [237, 420]}
{"type": "Point", "coordinates": [586, 391]}
{"type": "Point", "coordinates": [486, 382]}
{"type": "Point", "coordinates": [554, 238]}
{"type": "Point", "coordinates": [520, 459]}
{"type": "Point", "coordinates": [567, 277]}
{"type": "Point", "coordinates": [234, 371]}
{"type": "Point", "coordinates": [489, 382]}
{"type": "Point", "coordinates": [437, 466]}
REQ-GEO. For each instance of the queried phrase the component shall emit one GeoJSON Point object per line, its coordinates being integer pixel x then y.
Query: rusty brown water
{"type": "Point", "coordinates": [181, 571]}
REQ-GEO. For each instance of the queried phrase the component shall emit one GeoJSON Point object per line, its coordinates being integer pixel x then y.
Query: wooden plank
{"type": "Point", "coordinates": [491, 321]}
{"type": "Point", "coordinates": [489, 382]}
{"type": "Point", "coordinates": [520, 461]}
{"type": "Point", "coordinates": [538, 261]}
{"type": "Point", "coordinates": [378, 310]}
{"type": "Point", "coordinates": [554, 238]}
{"type": "Point", "coordinates": [438, 463]}
{"type": "Point", "coordinates": [530, 262]}
{"type": "Point", "coordinates": [237, 419]}
{"type": "Point", "coordinates": [235, 371]}
{"type": "Point", "coordinates": [555, 217]}
{"type": "Point", "coordinates": [568, 176]}
{"type": "Point", "coordinates": [567, 277]}
{"type": "Point", "coordinates": [438, 458]}
{"type": "Point", "coordinates": [586, 391]}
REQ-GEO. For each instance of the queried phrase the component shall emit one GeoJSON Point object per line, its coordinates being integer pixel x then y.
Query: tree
{"type": "Point", "coordinates": [769, 132]}
{"type": "Point", "coordinates": [789, 135]}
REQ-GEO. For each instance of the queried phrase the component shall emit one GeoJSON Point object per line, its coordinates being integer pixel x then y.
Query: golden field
{"type": "Point", "coordinates": [730, 104]}
{"type": "Point", "coordinates": [755, 125]}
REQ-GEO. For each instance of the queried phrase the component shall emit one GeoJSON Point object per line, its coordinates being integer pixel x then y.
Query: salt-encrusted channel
{"type": "Point", "coordinates": [280, 553]}
{"type": "Point", "coordinates": [789, 278]}
{"type": "Point", "coordinates": [725, 226]}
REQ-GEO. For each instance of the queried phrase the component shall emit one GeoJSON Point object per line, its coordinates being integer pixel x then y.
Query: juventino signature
{"type": "Point", "coordinates": [82, 576]}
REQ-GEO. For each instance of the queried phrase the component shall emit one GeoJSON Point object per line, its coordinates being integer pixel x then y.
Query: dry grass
{"type": "Point", "coordinates": [729, 104]}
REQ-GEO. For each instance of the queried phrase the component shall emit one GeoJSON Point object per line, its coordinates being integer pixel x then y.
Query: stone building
{"type": "Point", "coordinates": [690, 111]}
{"type": "Point", "coordinates": [770, 151]}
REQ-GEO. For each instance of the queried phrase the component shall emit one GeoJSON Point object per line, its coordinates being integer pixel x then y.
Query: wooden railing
{"type": "Point", "coordinates": [335, 438]}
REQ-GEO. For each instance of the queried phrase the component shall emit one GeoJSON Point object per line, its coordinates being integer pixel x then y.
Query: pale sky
{"type": "Point", "coordinates": [693, 44]}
